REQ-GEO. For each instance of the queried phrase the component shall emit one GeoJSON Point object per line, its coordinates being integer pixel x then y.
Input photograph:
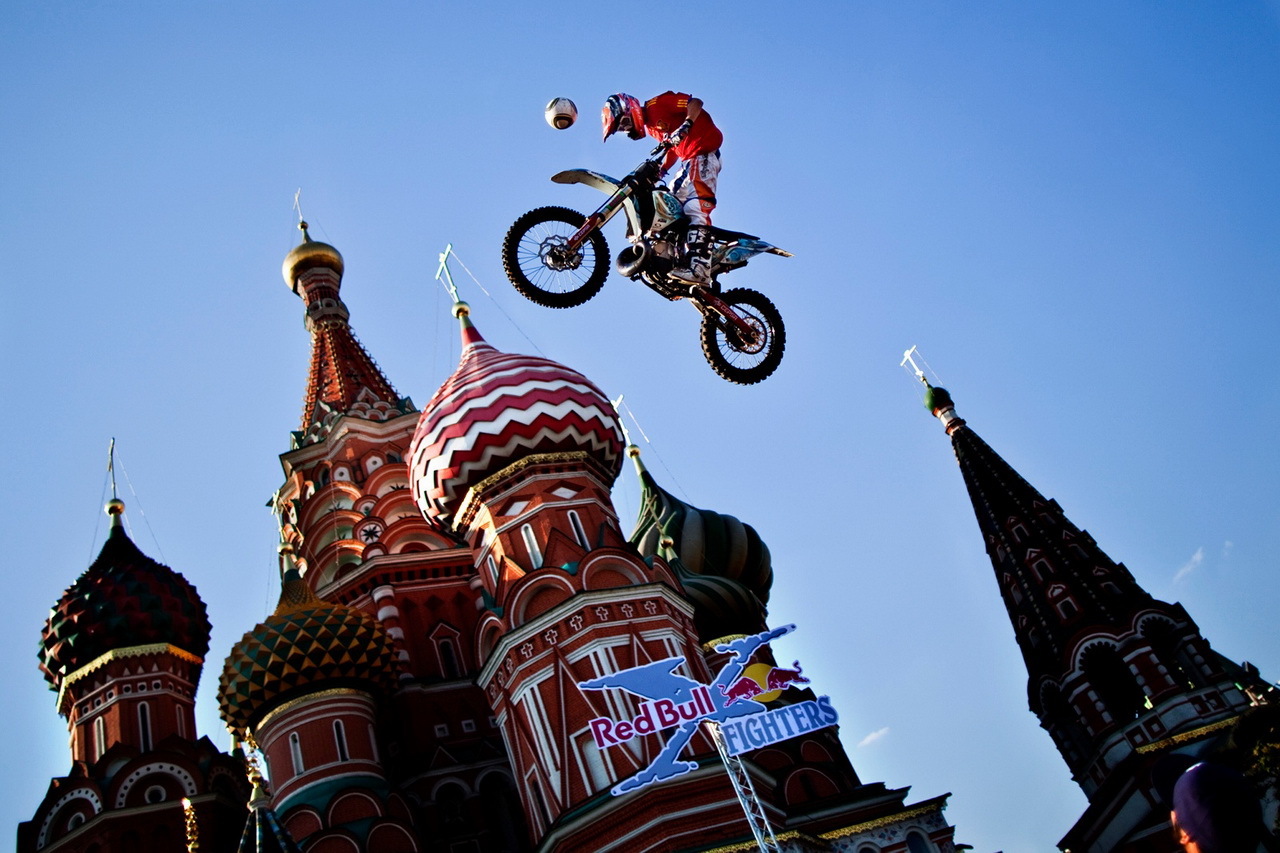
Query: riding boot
{"type": "Point", "coordinates": [695, 267]}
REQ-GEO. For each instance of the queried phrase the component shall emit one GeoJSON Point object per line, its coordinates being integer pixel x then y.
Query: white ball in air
{"type": "Point", "coordinates": [561, 113]}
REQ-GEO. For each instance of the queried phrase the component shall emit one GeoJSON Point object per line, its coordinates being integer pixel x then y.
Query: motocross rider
{"type": "Point", "coordinates": [699, 156]}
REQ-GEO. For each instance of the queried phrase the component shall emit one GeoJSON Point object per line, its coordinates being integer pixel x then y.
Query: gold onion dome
{"type": "Point", "coordinates": [123, 600]}
{"type": "Point", "coordinates": [306, 645]}
{"type": "Point", "coordinates": [307, 255]}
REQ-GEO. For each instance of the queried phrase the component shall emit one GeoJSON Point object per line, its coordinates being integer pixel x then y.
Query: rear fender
{"type": "Point", "coordinates": [738, 251]}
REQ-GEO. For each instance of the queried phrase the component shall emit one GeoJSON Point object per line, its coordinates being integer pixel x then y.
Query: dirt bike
{"type": "Point", "coordinates": [558, 258]}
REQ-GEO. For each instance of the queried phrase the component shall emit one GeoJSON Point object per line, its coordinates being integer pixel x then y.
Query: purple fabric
{"type": "Point", "coordinates": [1218, 808]}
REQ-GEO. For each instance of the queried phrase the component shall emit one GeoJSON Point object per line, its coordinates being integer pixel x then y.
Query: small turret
{"type": "Point", "coordinates": [344, 379]}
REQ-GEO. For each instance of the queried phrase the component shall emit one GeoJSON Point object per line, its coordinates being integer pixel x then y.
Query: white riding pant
{"type": "Point", "coordinates": [695, 186]}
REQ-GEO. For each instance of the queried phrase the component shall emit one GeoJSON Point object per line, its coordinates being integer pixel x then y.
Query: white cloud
{"type": "Point", "coordinates": [1226, 548]}
{"type": "Point", "coordinates": [873, 737]}
{"type": "Point", "coordinates": [1190, 565]}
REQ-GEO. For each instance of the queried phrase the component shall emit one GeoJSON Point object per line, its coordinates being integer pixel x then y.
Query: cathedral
{"type": "Point", "coordinates": [449, 579]}
{"type": "Point", "coordinates": [453, 579]}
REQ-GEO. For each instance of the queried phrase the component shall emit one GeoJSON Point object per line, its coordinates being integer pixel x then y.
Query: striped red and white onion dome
{"type": "Point", "coordinates": [497, 408]}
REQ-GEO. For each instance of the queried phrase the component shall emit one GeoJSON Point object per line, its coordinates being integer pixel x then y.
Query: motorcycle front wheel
{"type": "Point", "coordinates": [540, 266]}
{"type": "Point", "coordinates": [738, 358]}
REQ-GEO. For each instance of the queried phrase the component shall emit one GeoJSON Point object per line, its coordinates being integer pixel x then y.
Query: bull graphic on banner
{"type": "Point", "coordinates": [674, 701]}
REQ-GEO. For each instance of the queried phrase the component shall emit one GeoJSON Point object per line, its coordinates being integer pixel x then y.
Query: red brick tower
{"type": "Point", "coordinates": [124, 648]}
{"type": "Point", "coordinates": [1118, 678]}
{"type": "Point", "coordinates": [517, 454]}
{"type": "Point", "coordinates": [348, 515]}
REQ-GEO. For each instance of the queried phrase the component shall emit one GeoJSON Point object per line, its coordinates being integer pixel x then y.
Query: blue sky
{"type": "Point", "coordinates": [1071, 209]}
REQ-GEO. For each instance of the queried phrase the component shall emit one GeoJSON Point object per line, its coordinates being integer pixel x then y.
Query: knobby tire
{"type": "Point", "coordinates": [548, 278]}
{"type": "Point", "coordinates": [733, 359]}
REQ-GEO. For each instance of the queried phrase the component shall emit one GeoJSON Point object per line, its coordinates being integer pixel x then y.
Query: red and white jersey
{"type": "Point", "coordinates": [665, 112]}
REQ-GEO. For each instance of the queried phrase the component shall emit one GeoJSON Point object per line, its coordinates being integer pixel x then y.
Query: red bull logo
{"type": "Point", "coordinates": [734, 699]}
{"type": "Point", "coordinates": [781, 679]}
{"type": "Point", "coordinates": [762, 683]}
{"type": "Point", "coordinates": [653, 717]}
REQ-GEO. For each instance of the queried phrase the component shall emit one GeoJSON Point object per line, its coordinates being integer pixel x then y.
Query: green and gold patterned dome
{"type": "Point", "coordinates": [306, 645]}
{"type": "Point", "coordinates": [723, 564]}
{"type": "Point", "coordinates": [124, 600]}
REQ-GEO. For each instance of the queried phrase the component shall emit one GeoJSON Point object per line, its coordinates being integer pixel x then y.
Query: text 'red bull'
{"type": "Point", "coordinates": [653, 717]}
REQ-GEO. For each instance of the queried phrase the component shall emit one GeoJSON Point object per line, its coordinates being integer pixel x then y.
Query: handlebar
{"type": "Point", "coordinates": [673, 139]}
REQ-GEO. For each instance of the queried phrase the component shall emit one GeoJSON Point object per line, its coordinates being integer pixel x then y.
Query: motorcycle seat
{"type": "Point", "coordinates": [726, 234]}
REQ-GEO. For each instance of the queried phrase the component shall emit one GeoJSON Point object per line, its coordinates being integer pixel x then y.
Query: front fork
{"type": "Point", "coordinates": [602, 215]}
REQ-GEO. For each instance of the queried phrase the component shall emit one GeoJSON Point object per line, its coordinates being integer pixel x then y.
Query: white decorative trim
{"type": "Point", "coordinates": [77, 793]}
{"type": "Point", "coordinates": [164, 767]}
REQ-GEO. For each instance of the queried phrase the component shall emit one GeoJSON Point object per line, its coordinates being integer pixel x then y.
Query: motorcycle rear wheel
{"type": "Point", "coordinates": [542, 270]}
{"type": "Point", "coordinates": [735, 359]}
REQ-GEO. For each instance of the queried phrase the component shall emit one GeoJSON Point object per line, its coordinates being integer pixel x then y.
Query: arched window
{"type": "Point", "coordinates": [536, 790]}
{"type": "Point", "coordinates": [531, 543]}
{"type": "Point", "coordinates": [579, 532]}
{"type": "Point", "coordinates": [448, 658]}
{"type": "Point", "coordinates": [1015, 591]}
{"type": "Point", "coordinates": [493, 570]}
{"type": "Point", "coordinates": [917, 843]}
{"type": "Point", "coordinates": [500, 806]}
{"type": "Point", "coordinates": [1175, 656]}
{"type": "Point", "coordinates": [99, 738]}
{"type": "Point", "coordinates": [593, 767]}
{"type": "Point", "coordinates": [373, 744]}
{"type": "Point", "coordinates": [449, 801]}
{"type": "Point", "coordinates": [295, 752]}
{"type": "Point", "coordinates": [1063, 723]}
{"type": "Point", "coordinates": [340, 738]}
{"type": "Point", "coordinates": [144, 727]}
{"type": "Point", "coordinates": [181, 722]}
{"type": "Point", "coordinates": [1114, 683]}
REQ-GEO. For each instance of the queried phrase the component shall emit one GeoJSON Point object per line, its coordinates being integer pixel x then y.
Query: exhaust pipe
{"type": "Point", "coordinates": [631, 260]}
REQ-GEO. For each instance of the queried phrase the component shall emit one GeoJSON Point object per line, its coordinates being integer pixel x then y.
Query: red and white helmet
{"type": "Point", "coordinates": [622, 112]}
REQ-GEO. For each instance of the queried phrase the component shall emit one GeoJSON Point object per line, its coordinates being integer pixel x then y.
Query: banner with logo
{"type": "Point", "coordinates": [734, 699]}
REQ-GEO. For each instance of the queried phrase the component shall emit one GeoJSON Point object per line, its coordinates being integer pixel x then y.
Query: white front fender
{"type": "Point", "coordinates": [595, 180]}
